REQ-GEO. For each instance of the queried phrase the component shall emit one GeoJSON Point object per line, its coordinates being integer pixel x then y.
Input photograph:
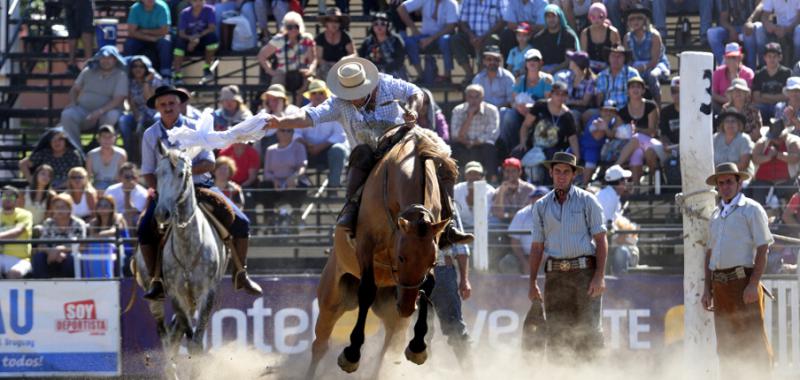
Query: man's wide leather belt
{"type": "Point", "coordinates": [731, 274]}
{"type": "Point", "coordinates": [569, 265]}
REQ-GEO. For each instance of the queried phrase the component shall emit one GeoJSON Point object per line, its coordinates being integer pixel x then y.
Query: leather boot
{"type": "Point", "coordinates": [348, 217]}
{"type": "Point", "coordinates": [241, 280]}
{"type": "Point", "coordinates": [151, 260]}
{"type": "Point", "coordinates": [451, 234]}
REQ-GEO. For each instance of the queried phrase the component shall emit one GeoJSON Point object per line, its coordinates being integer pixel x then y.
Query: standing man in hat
{"type": "Point", "coordinates": [570, 234]}
{"type": "Point", "coordinates": [736, 256]}
{"type": "Point", "coordinates": [167, 101]}
{"type": "Point", "coordinates": [612, 82]}
{"type": "Point", "coordinates": [365, 104]}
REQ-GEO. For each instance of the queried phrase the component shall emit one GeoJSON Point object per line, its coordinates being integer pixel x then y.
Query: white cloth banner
{"type": "Point", "coordinates": [59, 328]}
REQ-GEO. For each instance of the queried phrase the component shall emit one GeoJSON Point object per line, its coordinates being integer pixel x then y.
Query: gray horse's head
{"type": "Point", "coordinates": [174, 173]}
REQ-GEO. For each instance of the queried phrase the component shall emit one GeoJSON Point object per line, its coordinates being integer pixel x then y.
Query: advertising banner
{"type": "Point", "coordinates": [640, 312]}
{"type": "Point", "coordinates": [59, 328]}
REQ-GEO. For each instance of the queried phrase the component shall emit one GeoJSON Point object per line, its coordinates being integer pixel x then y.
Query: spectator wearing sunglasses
{"type": "Point", "coordinates": [384, 48]}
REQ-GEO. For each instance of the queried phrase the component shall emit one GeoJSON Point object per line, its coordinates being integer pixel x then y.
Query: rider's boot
{"type": "Point", "coordinates": [349, 214]}
{"type": "Point", "coordinates": [241, 280]}
{"type": "Point", "coordinates": [155, 291]}
{"type": "Point", "coordinates": [451, 234]}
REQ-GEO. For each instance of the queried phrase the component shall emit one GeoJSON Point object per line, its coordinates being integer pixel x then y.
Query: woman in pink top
{"type": "Point", "coordinates": [726, 73]}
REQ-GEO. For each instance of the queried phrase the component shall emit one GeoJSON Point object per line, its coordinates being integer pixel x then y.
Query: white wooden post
{"type": "Point", "coordinates": [480, 251]}
{"type": "Point", "coordinates": [697, 163]}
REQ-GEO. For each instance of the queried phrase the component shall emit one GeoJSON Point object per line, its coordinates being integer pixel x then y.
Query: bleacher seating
{"type": "Point", "coordinates": [35, 89]}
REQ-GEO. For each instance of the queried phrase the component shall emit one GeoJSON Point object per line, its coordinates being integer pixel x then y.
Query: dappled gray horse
{"type": "Point", "coordinates": [193, 259]}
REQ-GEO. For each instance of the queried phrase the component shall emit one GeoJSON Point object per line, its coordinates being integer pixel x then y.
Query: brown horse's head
{"type": "Point", "coordinates": [415, 253]}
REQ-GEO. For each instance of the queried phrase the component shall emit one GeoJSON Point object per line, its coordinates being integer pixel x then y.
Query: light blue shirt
{"type": "Point", "coordinates": [497, 91]}
{"type": "Point", "coordinates": [567, 230]}
{"type": "Point", "coordinates": [447, 14]}
{"type": "Point", "coordinates": [734, 238]}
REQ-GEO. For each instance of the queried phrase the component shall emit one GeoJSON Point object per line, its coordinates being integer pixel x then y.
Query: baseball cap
{"type": "Point", "coordinates": [792, 83]}
{"type": "Point", "coordinates": [533, 54]}
{"type": "Point", "coordinates": [675, 82]}
{"type": "Point", "coordinates": [493, 50]}
{"type": "Point", "coordinates": [616, 173]}
{"type": "Point", "coordinates": [733, 50]}
{"type": "Point", "coordinates": [773, 47]}
{"type": "Point", "coordinates": [513, 162]}
{"type": "Point", "coordinates": [523, 27]}
{"type": "Point", "coordinates": [473, 166]}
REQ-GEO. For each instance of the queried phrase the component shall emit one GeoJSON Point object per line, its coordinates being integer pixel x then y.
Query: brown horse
{"type": "Point", "coordinates": [395, 248]}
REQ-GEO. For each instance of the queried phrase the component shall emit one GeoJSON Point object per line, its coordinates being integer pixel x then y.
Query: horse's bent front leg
{"type": "Point", "coordinates": [349, 358]}
{"type": "Point", "coordinates": [416, 352]}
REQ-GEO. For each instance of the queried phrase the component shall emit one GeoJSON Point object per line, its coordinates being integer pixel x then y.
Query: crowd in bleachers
{"type": "Point", "coordinates": [537, 76]}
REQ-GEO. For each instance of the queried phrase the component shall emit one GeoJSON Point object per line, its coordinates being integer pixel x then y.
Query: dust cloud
{"type": "Point", "coordinates": [504, 362]}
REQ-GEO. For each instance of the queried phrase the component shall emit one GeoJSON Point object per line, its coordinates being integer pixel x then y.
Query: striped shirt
{"type": "Point", "coordinates": [481, 15]}
{"type": "Point", "coordinates": [567, 230]}
{"type": "Point", "coordinates": [363, 126]}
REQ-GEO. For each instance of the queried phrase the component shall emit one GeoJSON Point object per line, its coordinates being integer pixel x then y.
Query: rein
{"type": "Point", "coordinates": [182, 201]}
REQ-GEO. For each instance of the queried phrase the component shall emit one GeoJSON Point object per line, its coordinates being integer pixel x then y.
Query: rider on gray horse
{"type": "Point", "coordinates": [363, 103]}
{"type": "Point", "coordinates": [167, 101]}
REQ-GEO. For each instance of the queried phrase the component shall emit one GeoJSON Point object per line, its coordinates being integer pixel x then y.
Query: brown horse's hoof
{"type": "Point", "coordinates": [417, 358]}
{"type": "Point", "coordinates": [346, 365]}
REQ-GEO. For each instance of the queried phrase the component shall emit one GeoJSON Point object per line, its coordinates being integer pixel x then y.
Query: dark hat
{"type": "Point", "coordinates": [639, 9]}
{"type": "Point", "coordinates": [732, 111]}
{"type": "Point", "coordinates": [581, 58]}
{"type": "Point", "coordinates": [618, 49]}
{"type": "Point", "coordinates": [380, 16]}
{"type": "Point", "coordinates": [493, 50]}
{"type": "Point", "coordinates": [563, 158]}
{"type": "Point", "coordinates": [773, 47]}
{"type": "Point", "coordinates": [776, 128]}
{"type": "Point", "coordinates": [726, 168]}
{"type": "Point", "coordinates": [335, 14]}
{"type": "Point", "coordinates": [559, 85]}
{"type": "Point", "coordinates": [166, 90]}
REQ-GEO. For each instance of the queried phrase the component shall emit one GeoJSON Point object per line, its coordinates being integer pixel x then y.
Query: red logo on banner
{"type": "Point", "coordinates": [81, 316]}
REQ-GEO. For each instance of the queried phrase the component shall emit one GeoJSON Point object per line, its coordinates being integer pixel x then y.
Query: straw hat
{"type": "Point", "coordinates": [277, 90]}
{"type": "Point", "coordinates": [563, 158]}
{"type": "Point", "coordinates": [353, 78]}
{"type": "Point", "coordinates": [317, 85]}
{"type": "Point", "coordinates": [726, 168]}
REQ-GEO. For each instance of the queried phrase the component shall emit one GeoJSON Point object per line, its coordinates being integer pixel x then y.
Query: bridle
{"type": "Point", "coordinates": [184, 197]}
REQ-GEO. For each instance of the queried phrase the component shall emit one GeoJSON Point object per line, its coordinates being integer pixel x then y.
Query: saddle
{"type": "Point", "coordinates": [216, 210]}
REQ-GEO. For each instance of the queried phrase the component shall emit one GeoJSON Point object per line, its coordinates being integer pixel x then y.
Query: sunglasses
{"type": "Point", "coordinates": [9, 197]}
{"type": "Point", "coordinates": [380, 23]}
{"type": "Point", "coordinates": [317, 93]}
{"type": "Point", "coordinates": [129, 177]}
{"type": "Point", "coordinates": [137, 66]}
{"type": "Point", "coordinates": [292, 26]}
{"type": "Point", "coordinates": [77, 177]}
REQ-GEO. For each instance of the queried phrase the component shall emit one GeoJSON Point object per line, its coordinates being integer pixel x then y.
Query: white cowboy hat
{"type": "Point", "coordinates": [353, 78]}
